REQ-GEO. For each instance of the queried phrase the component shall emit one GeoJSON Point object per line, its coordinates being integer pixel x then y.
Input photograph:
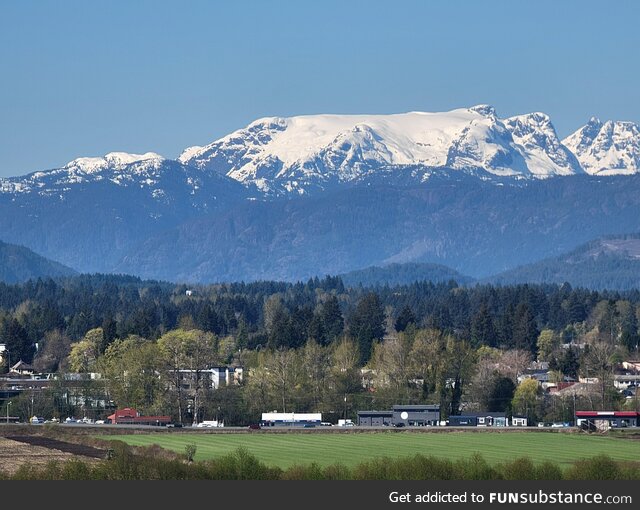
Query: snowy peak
{"type": "Point", "coordinates": [543, 150]}
{"type": "Point", "coordinates": [150, 173]}
{"type": "Point", "coordinates": [114, 160]}
{"type": "Point", "coordinates": [607, 148]}
{"type": "Point", "coordinates": [316, 151]}
{"type": "Point", "coordinates": [485, 110]}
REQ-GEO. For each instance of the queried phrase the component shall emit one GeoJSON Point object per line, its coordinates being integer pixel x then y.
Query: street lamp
{"type": "Point", "coordinates": [8, 404]}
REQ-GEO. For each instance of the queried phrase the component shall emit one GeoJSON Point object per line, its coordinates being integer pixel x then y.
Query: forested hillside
{"type": "Point", "coordinates": [609, 263]}
{"type": "Point", "coordinates": [311, 345]}
{"type": "Point", "coordinates": [19, 264]}
{"type": "Point", "coordinates": [403, 274]}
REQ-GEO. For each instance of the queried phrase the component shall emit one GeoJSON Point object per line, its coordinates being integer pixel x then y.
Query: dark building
{"type": "Point", "coordinates": [478, 420]}
{"type": "Point", "coordinates": [401, 415]}
{"type": "Point", "coordinates": [375, 418]}
{"type": "Point", "coordinates": [416, 415]}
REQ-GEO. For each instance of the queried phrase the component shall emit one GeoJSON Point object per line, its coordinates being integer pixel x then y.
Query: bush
{"type": "Point", "coordinates": [190, 452]}
{"type": "Point", "coordinates": [601, 467]}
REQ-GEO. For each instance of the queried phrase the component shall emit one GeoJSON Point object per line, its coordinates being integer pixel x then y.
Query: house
{"type": "Point", "coordinates": [631, 366]}
{"type": "Point", "coordinates": [401, 416]}
{"type": "Point", "coordinates": [518, 421]}
{"type": "Point", "coordinates": [625, 381]}
{"type": "Point", "coordinates": [479, 420]}
{"type": "Point", "coordinates": [276, 419]}
{"type": "Point", "coordinates": [21, 368]}
{"type": "Point", "coordinates": [130, 416]}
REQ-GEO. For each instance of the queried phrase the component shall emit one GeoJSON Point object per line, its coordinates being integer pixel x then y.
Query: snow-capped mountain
{"type": "Point", "coordinates": [89, 211]}
{"type": "Point", "coordinates": [463, 188]}
{"type": "Point", "coordinates": [607, 148]}
{"type": "Point", "coordinates": [151, 173]}
{"type": "Point", "coordinates": [317, 151]}
{"type": "Point", "coordinates": [545, 154]}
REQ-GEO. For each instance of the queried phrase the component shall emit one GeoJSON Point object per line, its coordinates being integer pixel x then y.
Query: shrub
{"type": "Point", "coordinates": [190, 451]}
{"type": "Point", "coordinates": [601, 467]}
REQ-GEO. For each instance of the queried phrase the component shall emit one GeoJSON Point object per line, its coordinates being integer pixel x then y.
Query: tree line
{"type": "Point", "coordinates": [318, 345]}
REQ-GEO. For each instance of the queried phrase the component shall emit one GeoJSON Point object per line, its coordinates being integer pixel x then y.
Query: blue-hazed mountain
{"type": "Point", "coordinates": [295, 197]}
{"type": "Point", "coordinates": [18, 264]}
{"type": "Point", "coordinates": [403, 274]}
{"type": "Point", "coordinates": [609, 263]}
{"type": "Point", "coordinates": [88, 213]}
{"type": "Point", "coordinates": [474, 227]}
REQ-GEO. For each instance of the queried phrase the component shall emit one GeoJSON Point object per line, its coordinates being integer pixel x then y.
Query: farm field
{"type": "Point", "coordinates": [284, 450]}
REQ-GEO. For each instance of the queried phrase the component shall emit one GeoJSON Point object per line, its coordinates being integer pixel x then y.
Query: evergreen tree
{"type": "Point", "coordinates": [575, 309]}
{"type": "Point", "coordinates": [405, 318]}
{"type": "Point", "coordinates": [281, 333]}
{"type": "Point", "coordinates": [15, 337]}
{"type": "Point", "coordinates": [525, 330]}
{"type": "Point", "coordinates": [482, 328]}
{"type": "Point", "coordinates": [501, 394]}
{"type": "Point", "coordinates": [367, 324]}
{"type": "Point", "coordinates": [332, 320]}
{"type": "Point", "coordinates": [109, 333]}
{"type": "Point", "coordinates": [207, 319]}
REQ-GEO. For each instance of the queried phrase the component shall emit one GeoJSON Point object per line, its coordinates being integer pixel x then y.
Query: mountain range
{"type": "Point", "coordinates": [18, 264]}
{"type": "Point", "coordinates": [288, 198]}
{"type": "Point", "coordinates": [612, 262]}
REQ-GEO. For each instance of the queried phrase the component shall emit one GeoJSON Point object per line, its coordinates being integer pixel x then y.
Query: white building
{"type": "Point", "coordinates": [213, 377]}
{"type": "Point", "coordinates": [276, 419]}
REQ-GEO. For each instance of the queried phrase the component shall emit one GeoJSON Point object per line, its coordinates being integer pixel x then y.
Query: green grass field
{"type": "Point", "coordinates": [284, 450]}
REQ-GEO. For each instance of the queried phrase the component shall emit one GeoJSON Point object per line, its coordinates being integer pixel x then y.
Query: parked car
{"type": "Point", "coordinates": [35, 420]}
{"type": "Point", "coordinates": [255, 426]}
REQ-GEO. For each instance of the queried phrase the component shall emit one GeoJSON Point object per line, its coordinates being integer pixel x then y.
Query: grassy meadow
{"type": "Point", "coordinates": [286, 450]}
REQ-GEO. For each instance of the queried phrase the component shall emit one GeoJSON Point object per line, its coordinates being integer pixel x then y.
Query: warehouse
{"type": "Point", "coordinates": [401, 416]}
{"type": "Point", "coordinates": [416, 415]}
{"type": "Point", "coordinates": [375, 418]}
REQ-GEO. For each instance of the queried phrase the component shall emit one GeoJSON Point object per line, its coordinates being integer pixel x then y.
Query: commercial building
{"type": "Point", "coordinates": [401, 415]}
{"type": "Point", "coordinates": [604, 420]}
{"type": "Point", "coordinates": [375, 418]}
{"type": "Point", "coordinates": [479, 420]}
{"type": "Point", "coordinates": [291, 419]}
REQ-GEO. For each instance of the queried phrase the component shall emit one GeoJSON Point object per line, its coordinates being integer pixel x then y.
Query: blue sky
{"type": "Point", "coordinates": [86, 78]}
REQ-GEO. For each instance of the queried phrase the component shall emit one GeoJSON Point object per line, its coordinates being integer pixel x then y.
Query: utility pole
{"type": "Point", "coordinates": [345, 408]}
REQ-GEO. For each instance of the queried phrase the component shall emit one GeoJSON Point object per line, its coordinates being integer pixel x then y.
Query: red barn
{"type": "Point", "coordinates": [130, 416]}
